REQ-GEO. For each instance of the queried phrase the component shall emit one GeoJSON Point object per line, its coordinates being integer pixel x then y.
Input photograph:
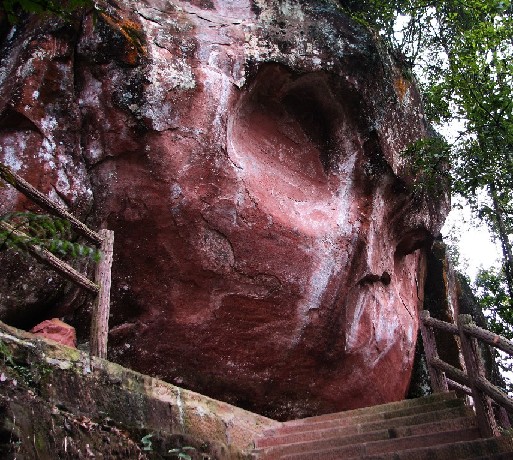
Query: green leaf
{"type": "Point", "coordinates": [146, 442]}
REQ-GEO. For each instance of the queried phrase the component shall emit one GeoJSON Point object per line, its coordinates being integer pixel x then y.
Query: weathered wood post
{"type": "Point", "coordinates": [104, 238]}
{"type": "Point", "coordinates": [101, 308]}
{"type": "Point", "coordinates": [438, 379]}
{"type": "Point", "coordinates": [475, 370]}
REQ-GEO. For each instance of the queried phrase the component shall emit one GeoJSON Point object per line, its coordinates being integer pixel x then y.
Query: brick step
{"type": "Point", "coordinates": [479, 449]}
{"type": "Point", "coordinates": [390, 446]}
{"type": "Point", "coordinates": [380, 435]}
{"type": "Point", "coordinates": [426, 400]}
{"type": "Point", "coordinates": [461, 411]}
{"type": "Point", "coordinates": [289, 428]}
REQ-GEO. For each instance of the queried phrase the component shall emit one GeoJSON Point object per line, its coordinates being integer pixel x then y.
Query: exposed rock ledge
{"type": "Point", "coordinates": [57, 402]}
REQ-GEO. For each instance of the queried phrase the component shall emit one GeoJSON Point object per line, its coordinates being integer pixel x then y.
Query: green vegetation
{"type": "Point", "coordinates": [147, 443]}
{"type": "Point", "coordinates": [22, 372]}
{"type": "Point", "coordinates": [429, 162]}
{"type": "Point", "coordinates": [495, 300]}
{"type": "Point", "coordinates": [13, 8]}
{"type": "Point", "coordinates": [25, 229]}
{"type": "Point", "coordinates": [462, 53]}
{"type": "Point", "coordinates": [182, 452]}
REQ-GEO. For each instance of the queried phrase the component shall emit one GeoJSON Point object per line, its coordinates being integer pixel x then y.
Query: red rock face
{"type": "Point", "coordinates": [268, 245]}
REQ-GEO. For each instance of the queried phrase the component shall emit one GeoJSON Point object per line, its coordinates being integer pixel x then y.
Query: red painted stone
{"type": "Point", "coordinates": [56, 330]}
{"type": "Point", "coordinates": [269, 248]}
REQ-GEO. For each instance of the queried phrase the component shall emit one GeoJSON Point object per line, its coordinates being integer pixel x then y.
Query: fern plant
{"type": "Point", "coordinates": [26, 229]}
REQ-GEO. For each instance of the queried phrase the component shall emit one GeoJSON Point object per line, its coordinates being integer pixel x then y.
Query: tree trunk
{"type": "Point", "coordinates": [507, 254]}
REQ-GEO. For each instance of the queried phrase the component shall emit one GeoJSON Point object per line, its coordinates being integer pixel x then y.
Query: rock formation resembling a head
{"type": "Point", "coordinates": [269, 250]}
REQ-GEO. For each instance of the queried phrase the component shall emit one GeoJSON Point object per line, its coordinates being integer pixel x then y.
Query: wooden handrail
{"type": "Point", "coordinates": [20, 184]}
{"type": "Point", "coordinates": [472, 382]}
{"type": "Point", "coordinates": [57, 264]}
{"type": "Point", "coordinates": [456, 386]}
{"type": "Point", "coordinates": [104, 239]}
{"type": "Point", "coordinates": [438, 380]}
{"type": "Point", "coordinates": [442, 325]}
{"type": "Point", "coordinates": [489, 337]}
{"type": "Point", "coordinates": [501, 398]}
{"type": "Point", "coordinates": [475, 371]}
{"type": "Point", "coordinates": [454, 373]}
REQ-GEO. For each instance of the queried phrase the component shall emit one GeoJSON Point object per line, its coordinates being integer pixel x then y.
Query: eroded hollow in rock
{"type": "Point", "coordinates": [282, 124]}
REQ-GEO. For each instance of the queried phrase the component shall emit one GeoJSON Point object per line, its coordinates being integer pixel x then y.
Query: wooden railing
{"type": "Point", "coordinates": [472, 382]}
{"type": "Point", "coordinates": [104, 239]}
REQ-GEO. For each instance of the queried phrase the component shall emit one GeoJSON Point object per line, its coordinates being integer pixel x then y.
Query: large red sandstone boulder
{"type": "Point", "coordinates": [269, 247]}
{"type": "Point", "coordinates": [56, 330]}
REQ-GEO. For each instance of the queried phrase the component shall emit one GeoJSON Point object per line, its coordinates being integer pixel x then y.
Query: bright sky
{"type": "Point", "coordinates": [475, 244]}
{"type": "Point", "coordinates": [470, 235]}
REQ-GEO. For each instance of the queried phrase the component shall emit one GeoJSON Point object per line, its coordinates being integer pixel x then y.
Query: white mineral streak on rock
{"type": "Point", "coordinates": [12, 146]}
{"type": "Point", "coordinates": [180, 405]}
{"type": "Point", "coordinates": [60, 363]}
{"type": "Point", "coordinates": [71, 181]}
{"type": "Point", "coordinates": [219, 85]}
{"type": "Point", "coordinates": [233, 8]}
{"type": "Point", "coordinates": [321, 275]}
{"type": "Point", "coordinates": [292, 9]}
{"type": "Point", "coordinates": [47, 151]}
{"type": "Point", "coordinates": [166, 72]}
{"type": "Point", "coordinates": [11, 338]}
{"type": "Point", "coordinates": [48, 125]}
{"type": "Point", "coordinates": [200, 410]}
{"type": "Point", "coordinates": [89, 96]}
{"type": "Point", "coordinates": [94, 149]}
{"type": "Point", "coordinates": [354, 324]}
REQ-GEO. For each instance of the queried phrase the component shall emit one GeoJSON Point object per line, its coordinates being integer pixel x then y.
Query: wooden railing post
{"type": "Point", "coordinates": [482, 403]}
{"type": "Point", "coordinates": [104, 238]}
{"type": "Point", "coordinates": [101, 308]}
{"type": "Point", "coordinates": [438, 379]}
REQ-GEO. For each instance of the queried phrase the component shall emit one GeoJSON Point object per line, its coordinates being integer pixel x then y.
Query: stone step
{"type": "Point", "coordinates": [503, 456]}
{"type": "Point", "coordinates": [479, 449]}
{"type": "Point", "coordinates": [385, 447]}
{"type": "Point", "coordinates": [461, 411]}
{"type": "Point", "coordinates": [362, 418]}
{"type": "Point", "coordinates": [426, 400]}
{"type": "Point", "coordinates": [384, 434]}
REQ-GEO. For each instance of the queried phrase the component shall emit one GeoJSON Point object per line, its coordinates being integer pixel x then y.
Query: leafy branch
{"type": "Point", "coordinates": [429, 160]}
{"type": "Point", "coordinates": [25, 229]}
{"type": "Point", "coordinates": [63, 8]}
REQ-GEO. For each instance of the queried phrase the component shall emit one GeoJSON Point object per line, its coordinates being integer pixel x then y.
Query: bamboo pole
{"type": "Point", "coordinates": [101, 309]}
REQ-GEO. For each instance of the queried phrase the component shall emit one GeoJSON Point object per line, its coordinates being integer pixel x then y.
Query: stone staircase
{"type": "Point", "coordinates": [436, 427]}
